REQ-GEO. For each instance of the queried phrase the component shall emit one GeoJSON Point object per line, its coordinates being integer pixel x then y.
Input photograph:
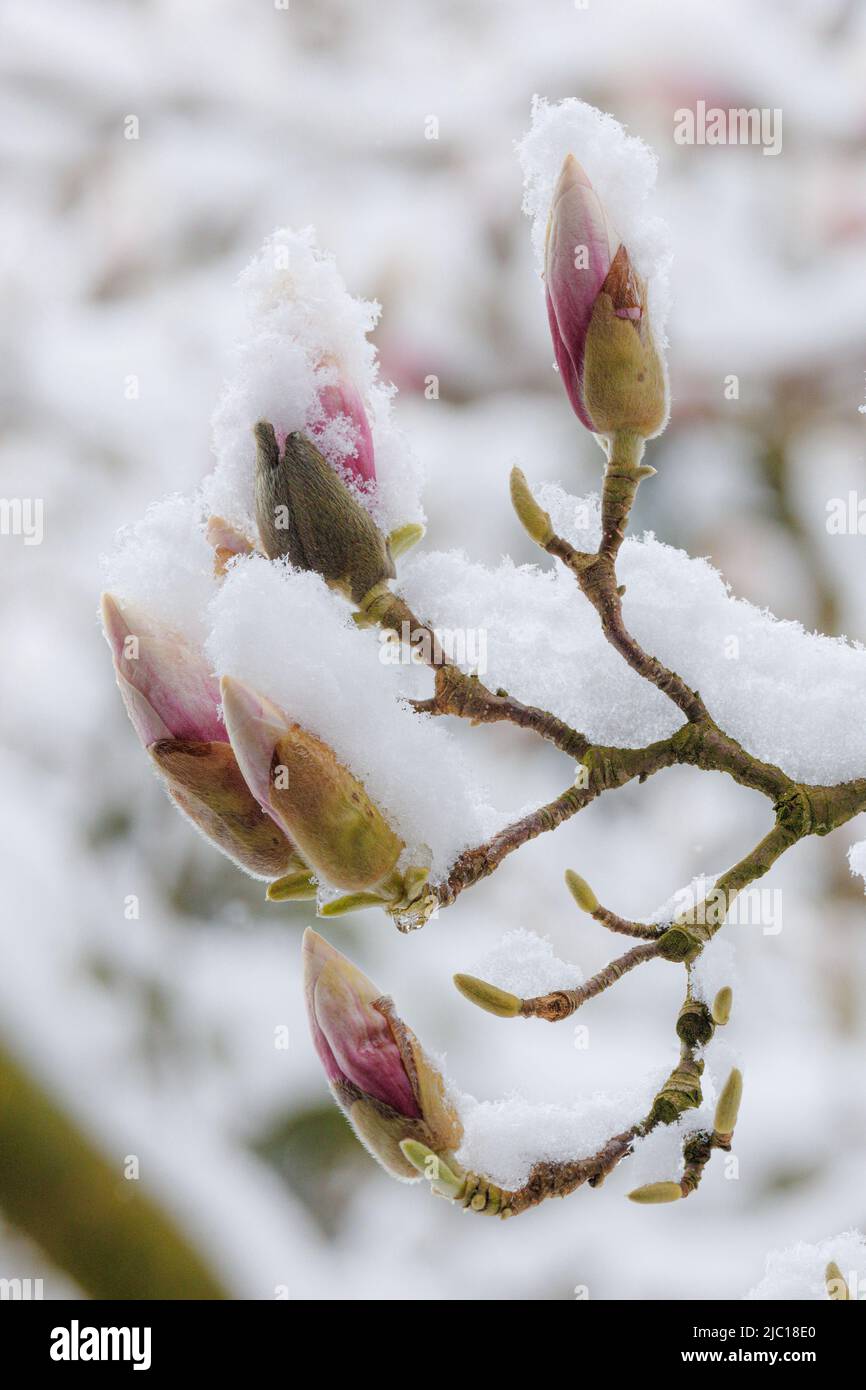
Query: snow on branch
{"type": "Point", "coordinates": [292, 676]}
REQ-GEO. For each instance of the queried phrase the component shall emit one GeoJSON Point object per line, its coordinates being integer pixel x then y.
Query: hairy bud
{"type": "Point", "coordinates": [722, 1005]}
{"type": "Point", "coordinates": [205, 782]}
{"type": "Point", "coordinates": [728, 1105]}
{"type": "Point", "coordinates": [379, 1073]}
{"type": "Point", "coordinates": [581, 892]}
{"type": "Point", "coordinates": [599, 320]}
{"type": "Point", "coordinates": [488, 997]}
{"type": "Point", "coordinates": [653, 1193]}
{"type": "Point", "coordinates": [305, 512]}
{"type": "Point", "coordinates": [533, 519]}
{"type": "Point", "coordinates": [321, 806]}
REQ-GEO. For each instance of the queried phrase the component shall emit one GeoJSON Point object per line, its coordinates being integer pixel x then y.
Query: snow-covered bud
{"type": "Point", "coordinates": [722, 1005]}
{"type": "Point", "coordinates": [488, 997]}
{"type": "Point", "coordinates": [728, 1105]}
{"type": "Point", "coordinates": [166, 685]}
{"type": "Point", "coordinates": [597, 306]}
{"type": "Point", "coordinates": [172, 699]}
{"type": "Point", "coordinates": [340, 401]}
{"type": "Point", "coordinates": [837, 1285]}
{"type": "Point", "coordinates": [376, 1067]}
{"type": "Point", "coordinates": [653, 1193]}
{"type": "Point", "coordinates": [305, 512]}
{"type": "Point", "coordinates": [321, 806]}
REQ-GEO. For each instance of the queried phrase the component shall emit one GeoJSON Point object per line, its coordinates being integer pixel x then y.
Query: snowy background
{"type": "Point", "coordinates": [119, 259]}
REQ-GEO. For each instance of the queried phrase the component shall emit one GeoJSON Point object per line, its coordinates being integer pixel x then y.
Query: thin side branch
{"type": "Point", "coordinates": [562, 1003]}
{"type": "Point", "coordinates": [466, 695]}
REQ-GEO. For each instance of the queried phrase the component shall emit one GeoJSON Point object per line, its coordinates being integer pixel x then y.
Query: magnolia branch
{"type": "Point", "coordinates": [800, 810]}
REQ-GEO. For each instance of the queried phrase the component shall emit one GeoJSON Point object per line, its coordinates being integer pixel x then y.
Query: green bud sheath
{"type": "Point", "coordinates": [305, 511]}
{"type": "Point", "coordinates": [297, 887]}
{"type": "Point", "coordinates": [534, 520]}
{"type": "Point", "coordinates": [581, 892]}
{"type": "Point", "coordinates": [329, 815]}
{"type": "Point", "coordinates": [403, 538]}
{"type": "Point", "coordinates": [382, 1131]}
{"type": "Point", "coordinates": [351, 902]}
{"type": "Point", "coordinates": [837, 1287]}
{"type": "Point", "coordinates": [488, 997]}
{"type": "Point", "coordinates": [654, 1193]}
{"type": "Point", "coordinates": [722, 1005]}
{"type": "Point", "coordinates": [624, 381]}
{"type": "Point", "coordinates": [728, 1106]}
{"type": "Point", "coordinates": [204, 780]}
{"type": "Point", "coordinates": [431, 1166]}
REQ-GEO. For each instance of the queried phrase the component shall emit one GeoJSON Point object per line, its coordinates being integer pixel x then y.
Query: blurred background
{"type": "Point", "coordinates": [156, 1138]}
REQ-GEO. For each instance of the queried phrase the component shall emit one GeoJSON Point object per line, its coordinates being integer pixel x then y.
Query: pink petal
{"type": "Point", "coordinates": [167, 687]}
{"type": "Point", "coordinates": [349, 1032]}
{"type": "Point", "coordinates": [254, 725]}
{"type": "Point", "coordinates": [567, 368]}
{"type": "Point", "coordinates": [316, 954]}
{"type": "Point", "coordinates": [577, 219]}
{"type": "Point", "coordinates": [342, 398]}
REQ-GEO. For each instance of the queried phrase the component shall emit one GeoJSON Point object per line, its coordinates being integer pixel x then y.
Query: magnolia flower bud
{"type": "Point", "coordinates": [376, 1067]}
{"type": "Point", "coordinates": [307, 513]}
{"type": "Point", "coordinates": [597, 307]}
{"type": "Point", "coordinates": [172, 700]}
{"type": "Point", "coordinates": [166, 685]}
{"type": "Point", "coordinates": [320, 805]}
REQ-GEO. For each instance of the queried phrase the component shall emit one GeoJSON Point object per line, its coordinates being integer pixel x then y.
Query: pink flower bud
{"type": "Point", "coordinates": [578, 254]}
{"type": "Point", "coordinates": [321, 806]}
{"type": "Point", "coordinates": [172, 700]}
{"type": "Point", "coordinates": [352, 1037]}
{"type": "Point", "coordinates": [377, 1069]}
{"type": "Point", "coordinates": [340, 401]}
{"type": "Point", "coordinates": [166, 685]}
{"type": "Point", "coordinates": [596, 304]}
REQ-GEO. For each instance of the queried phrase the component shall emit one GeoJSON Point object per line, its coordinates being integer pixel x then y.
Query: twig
{"type": "Point", "coordinates": [564, 1002]}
